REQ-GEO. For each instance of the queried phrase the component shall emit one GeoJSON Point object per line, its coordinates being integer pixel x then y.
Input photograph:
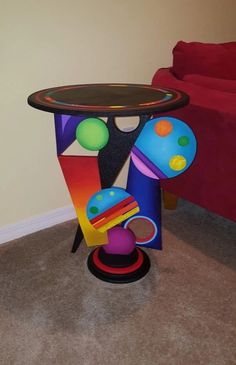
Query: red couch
{"type": "Point", "coordinates": [207, 73]}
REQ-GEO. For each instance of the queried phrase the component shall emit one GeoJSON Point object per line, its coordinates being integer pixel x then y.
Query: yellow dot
{"type": "Point", "coordinates": [177, 163]}
{"type": "Point", "coordinates": [111, 193]}
{"type": "Point", "coordinates": [163, 128]}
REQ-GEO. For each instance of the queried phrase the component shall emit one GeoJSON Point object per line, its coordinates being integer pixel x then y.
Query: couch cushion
{"type": "Point", "coordinates": [212, 82]}
{"type": "Point", "coordinates": [207, 59]}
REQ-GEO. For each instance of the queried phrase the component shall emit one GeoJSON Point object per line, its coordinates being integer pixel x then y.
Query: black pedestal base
{"type": "Point", "coordinates": [111, 269]}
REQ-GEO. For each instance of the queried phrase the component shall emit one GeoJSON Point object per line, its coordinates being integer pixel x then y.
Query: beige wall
{"type": "Point", "coordinates": [49, 43]}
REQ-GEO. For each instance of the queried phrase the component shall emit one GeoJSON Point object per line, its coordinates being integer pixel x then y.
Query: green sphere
{"type": "Point", "coordinates": [94, 210]}
{"type": "Point", "coordinates": [183, 141]}
{"type": "Point", "coordinates": [92, 134]}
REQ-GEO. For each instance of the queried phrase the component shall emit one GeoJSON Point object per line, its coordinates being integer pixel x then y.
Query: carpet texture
{"type": "Point", "coordinates": [53, 311]}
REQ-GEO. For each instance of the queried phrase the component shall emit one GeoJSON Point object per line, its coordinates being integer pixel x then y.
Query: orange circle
{"type": "Point", "coordinates": [163, 128]}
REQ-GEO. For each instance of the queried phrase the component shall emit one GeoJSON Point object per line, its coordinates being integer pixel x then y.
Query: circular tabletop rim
{"type": "Point", "coordinates": [181, 101]}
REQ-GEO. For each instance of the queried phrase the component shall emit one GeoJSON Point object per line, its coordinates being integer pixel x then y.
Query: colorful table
{"type": "Point", "coordinates": [78, 110]}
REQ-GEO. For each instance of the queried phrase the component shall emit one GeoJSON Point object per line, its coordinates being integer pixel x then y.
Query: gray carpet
{"type": "Point", "coordinates": [53, 311]}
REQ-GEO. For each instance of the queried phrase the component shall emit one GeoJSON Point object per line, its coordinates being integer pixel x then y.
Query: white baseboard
{"type": "Point", "coordinates": [35, 224]}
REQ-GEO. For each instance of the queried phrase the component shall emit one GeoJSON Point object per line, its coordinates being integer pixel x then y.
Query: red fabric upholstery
{"type": "Point", "coordinates": [211, 180]}
{"type": "Point", "coordinates": [212, 82]}
{"type": "Point", "coordinates": [207, 59]}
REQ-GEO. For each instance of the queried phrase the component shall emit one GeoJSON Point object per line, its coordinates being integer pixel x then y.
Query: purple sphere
{"type": "Point", "coordinates": [121, 241]}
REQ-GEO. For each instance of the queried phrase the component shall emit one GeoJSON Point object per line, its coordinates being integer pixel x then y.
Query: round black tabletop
{"type": "Point", "coordinates": [107, 99]}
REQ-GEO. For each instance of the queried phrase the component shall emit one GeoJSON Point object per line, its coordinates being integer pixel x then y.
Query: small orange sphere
{"type": "Point", "coordinates": [163, 128]}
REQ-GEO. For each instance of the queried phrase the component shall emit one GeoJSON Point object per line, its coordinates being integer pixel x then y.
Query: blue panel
{"type": "Point", "coordinates": [147, 193]}
{"type": "Point", "coordinates": [65, 127]}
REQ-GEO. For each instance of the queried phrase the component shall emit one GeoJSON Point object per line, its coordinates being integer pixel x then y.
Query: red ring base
{"type": "Point", "coordinates": [119, 275]}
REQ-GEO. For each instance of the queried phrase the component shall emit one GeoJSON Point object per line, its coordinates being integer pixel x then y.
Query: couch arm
{"type": "Point", "coordinates": [164, 75]}
{"type": "Point", "coordinates": [219, 101]}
